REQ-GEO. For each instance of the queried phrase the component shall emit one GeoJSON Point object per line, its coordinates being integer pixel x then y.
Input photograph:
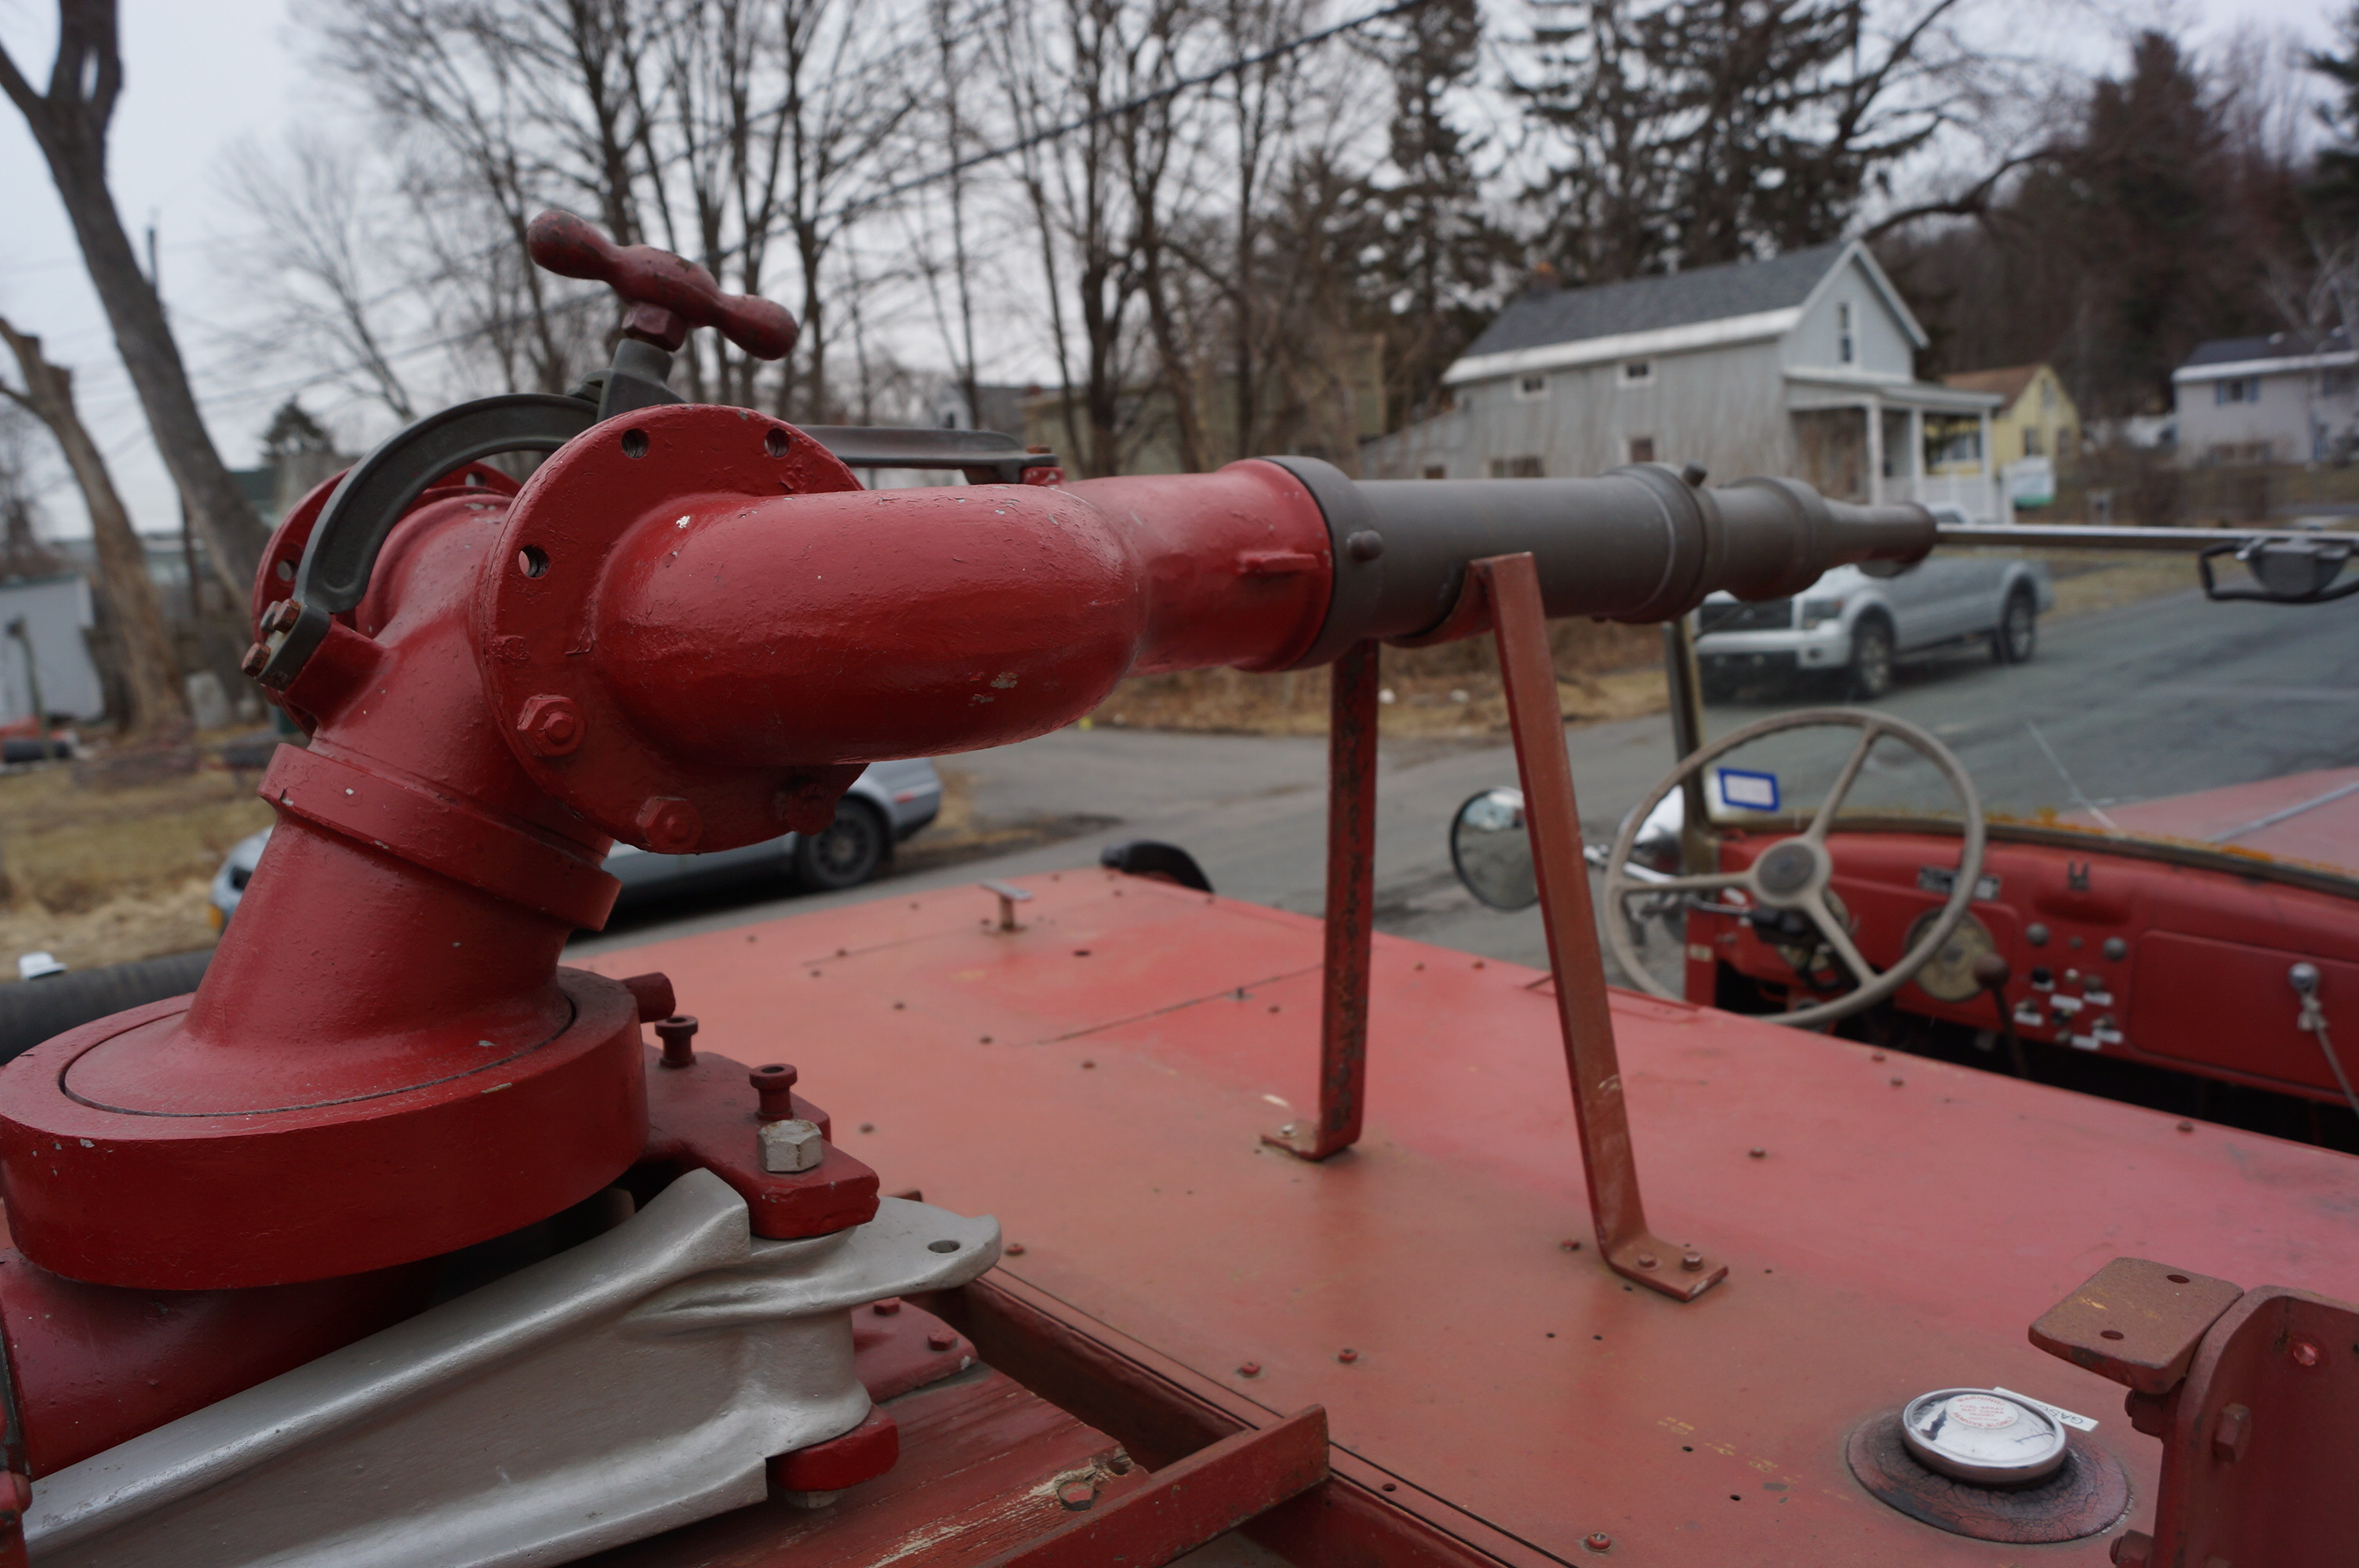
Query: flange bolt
{"type": "Point", "coordinates": [1692, 1263]}
{"type": "Point", "coordinates": [774, 1082]}
{"type": "Point", "coordinates": [280, 617]}
{"type": "Point", "coordinates": [1597, 1541]}
{"type": "Point", "coordinates": [670, 826]}
{"type": "Point", "coordinates": [551, 726]}
{"type": "Point", "coordinates": [678, 1035]}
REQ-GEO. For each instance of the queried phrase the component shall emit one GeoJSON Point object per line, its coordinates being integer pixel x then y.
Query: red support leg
{"type": "Point", "coordinates": [1520, 624]}
{"type": "Point", "coordinates": [1351, 911]}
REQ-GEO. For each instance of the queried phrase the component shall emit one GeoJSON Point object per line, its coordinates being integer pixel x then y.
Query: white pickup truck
{"type": "Point", "coordinates": [1854, 627]}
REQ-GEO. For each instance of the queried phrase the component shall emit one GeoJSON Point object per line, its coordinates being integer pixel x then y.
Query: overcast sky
{"type": "Point", "coordinates": [199, 75]}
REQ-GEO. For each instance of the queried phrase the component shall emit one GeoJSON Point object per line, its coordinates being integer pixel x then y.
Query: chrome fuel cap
{"type": "Point", "coordinates": [1983, 1436]}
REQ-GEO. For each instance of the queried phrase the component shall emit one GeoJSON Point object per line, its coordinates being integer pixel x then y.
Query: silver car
{"type": "Point", "coordinates": [886, 804]}
{"type": "Point", "coordinates": [1856, 625]}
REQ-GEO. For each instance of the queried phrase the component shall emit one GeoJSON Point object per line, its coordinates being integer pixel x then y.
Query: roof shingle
{"type": "Point", "coordinates": [1545, 317]}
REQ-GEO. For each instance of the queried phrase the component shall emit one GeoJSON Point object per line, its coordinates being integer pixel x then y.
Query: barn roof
{"type": "Point", "coordinates": [1543, 317]}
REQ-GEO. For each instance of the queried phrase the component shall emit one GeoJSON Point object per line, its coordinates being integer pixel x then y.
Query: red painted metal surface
{"type": "Point", "coordinates": [2264, 1438]}
{"type": "Point", "coordinates": [2137, 1323]}
{"type": "Point", "coordinates": [981, 1463]}
{"type": "Point", "coordinates": [124, 1135]}
{"type": "Point", "coordinates": [682, 294]}
{"type": "Point", "coordinates": [865, 1453]}
{"type": "Point", "coordinates": [94, 1365]}
{"type": "Point", "coordinates": [1162, 1412]}
{"type": "Point", "coordinates": [707, 1116]}
{"type": "Point", "coordinates": [382, 1063]}
{"type": "Point", "coordinates": [1617, 1214]}
{"type": "Point", "coordinates": [1209, 1493]}
{"type": "Point", "coordinates": [1891, 1240]}
{"type": "Point", "coordinates": [16, 1496]}
{"type": "Point", "coordinates": [1351, 912]}
{"type": "Point", "coordinates": [729, 645]}
{"type": "Point", "coordinates": [897, 1346]}
{"type": "Point", "coordinates": [2305, 818]}
{"type": "Point", "coordinates": [2254, 1395]}
{"type": "Point", "coordinates": [2202, 987]}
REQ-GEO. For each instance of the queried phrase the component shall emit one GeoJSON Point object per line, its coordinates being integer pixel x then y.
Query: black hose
{"type": "Point", "coordinates": [35, 1011]}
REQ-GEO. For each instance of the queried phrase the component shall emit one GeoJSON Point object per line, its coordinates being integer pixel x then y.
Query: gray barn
{"type": "Point", "coordinates": [1802, 365]}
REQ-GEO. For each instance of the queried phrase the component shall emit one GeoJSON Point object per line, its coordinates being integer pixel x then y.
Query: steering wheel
{"type": "Point", "coordinates": [1794, 874]}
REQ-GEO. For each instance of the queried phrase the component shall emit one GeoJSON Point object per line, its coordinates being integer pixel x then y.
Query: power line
{"type": "Point", "coordinates": [1170, 90]}
{"type": "Point", "coordinates": [852, 209]}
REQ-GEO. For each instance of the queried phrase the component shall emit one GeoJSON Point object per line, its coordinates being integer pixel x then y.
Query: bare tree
{"type": "Point", "coordinates": [325, 229]}
{"type": "Point", "coordinates": [151, 676]}
{"type": "Point", "coordinates": [23, 552]}
{"type": "Point", "coordinates": [69, 121]}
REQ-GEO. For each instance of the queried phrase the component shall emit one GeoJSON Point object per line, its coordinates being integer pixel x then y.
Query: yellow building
{"type": "Point", "coordinates": [2035, 419]}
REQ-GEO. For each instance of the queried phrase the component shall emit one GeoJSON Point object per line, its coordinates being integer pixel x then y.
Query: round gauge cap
{"type": "Point", "coordinates": [1976, 1434]}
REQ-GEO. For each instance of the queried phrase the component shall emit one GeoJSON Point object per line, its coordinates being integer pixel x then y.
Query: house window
{"type": "Point", "coordinates": [2031, 443]}
{"type": "Point", "coordinates": [2337, 383]}
{"type": "Point", "coordinates": [1436, 471]}
{"type": "Point", "coordinates": [1843, 331]}
{"type": "Point", "coordinates": [1531, 388]}
{"type": "Point", "coordinates": [1515, 468]}
{"type": "Point", "coordinates": [1642, 449]}
{"type": "Point", "coordinates": [2236, 389]}
{"type": "Point", "coordinates": [2047, 394]}
{"type": "Point", "coordinates": [1637, 373]}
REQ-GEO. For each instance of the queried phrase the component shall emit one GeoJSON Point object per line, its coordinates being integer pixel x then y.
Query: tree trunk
{"type": "Point", "coordinates": [69, 123]}
{"type": "Point", "coordinates": [150, 675]}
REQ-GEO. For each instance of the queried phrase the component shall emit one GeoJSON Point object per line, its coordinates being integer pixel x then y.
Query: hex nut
{"type": "Point", "coordinates": [2232, 1429]}
{"type": "Point", "coordinates": [670, 826]}
{"type": "Point", "coordinates": [791, 1146]}
{"type": "Point", "coordinates": [551, 726]}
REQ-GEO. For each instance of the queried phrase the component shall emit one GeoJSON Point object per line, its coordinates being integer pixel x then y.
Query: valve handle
{"type": "Point", "coordinates": [667, 294]}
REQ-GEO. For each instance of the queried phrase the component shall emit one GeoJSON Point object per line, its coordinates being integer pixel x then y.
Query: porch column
{"type": "Point", "coordinates": [1875, 408]}
{"type": "Point", "coordinates": [1917, 451]}
{"type": "Point", "coordinates": [1990, 472]}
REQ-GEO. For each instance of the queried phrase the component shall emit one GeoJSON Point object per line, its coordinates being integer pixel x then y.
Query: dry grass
{"type": "Point", "coordinates": [100, 876]}
{"type": "Point", "coordinates": [1604, 670]}
{"type": "Point", "coordinates": [2089, 581]}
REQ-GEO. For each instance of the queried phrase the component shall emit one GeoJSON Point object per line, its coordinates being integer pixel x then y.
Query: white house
{"type": "Point", "coordinates": [1802, 365]}
{"type": "Point", "coordinates": [2284, 398]}
{"type": "Point", "coordinates": [45, 625]}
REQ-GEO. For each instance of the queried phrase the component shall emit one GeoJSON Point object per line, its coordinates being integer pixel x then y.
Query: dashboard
{"type": "Point", "coordinates": [2129, 953]}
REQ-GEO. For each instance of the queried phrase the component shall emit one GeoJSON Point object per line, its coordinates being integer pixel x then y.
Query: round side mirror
{"type": "Point", "coordinates": [1491, 852]}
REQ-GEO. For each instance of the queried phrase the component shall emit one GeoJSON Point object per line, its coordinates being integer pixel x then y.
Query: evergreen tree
{"type": "Point", "coordinates": [292, 431]}
{"type": "Point", "coordinates": [1433, 255]}
{"type": "Point", "coordinates": [1686, 134]}
{"type": "Point", "coordinates": [2334, 192]}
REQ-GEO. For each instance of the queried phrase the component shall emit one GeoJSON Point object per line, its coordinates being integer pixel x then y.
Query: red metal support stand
{"type": "Point", "coordinates": [1188, 1503]}
{"type": "Point", "coordinates": [1520, 624]}
{"type": "Point", "coordinates": [1351, 911]}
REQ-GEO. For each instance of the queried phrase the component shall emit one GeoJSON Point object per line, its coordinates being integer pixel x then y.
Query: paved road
{"type": "Point", "coordinates": [2155, 698]}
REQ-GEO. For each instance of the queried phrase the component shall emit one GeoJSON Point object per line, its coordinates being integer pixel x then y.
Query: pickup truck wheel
{"type": "Point", "coordinates": [846, 854]}
{"type": "Point", "coordinates": [1871, 659]}
{"type": "Point", "coordinates": [2017, 633]}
